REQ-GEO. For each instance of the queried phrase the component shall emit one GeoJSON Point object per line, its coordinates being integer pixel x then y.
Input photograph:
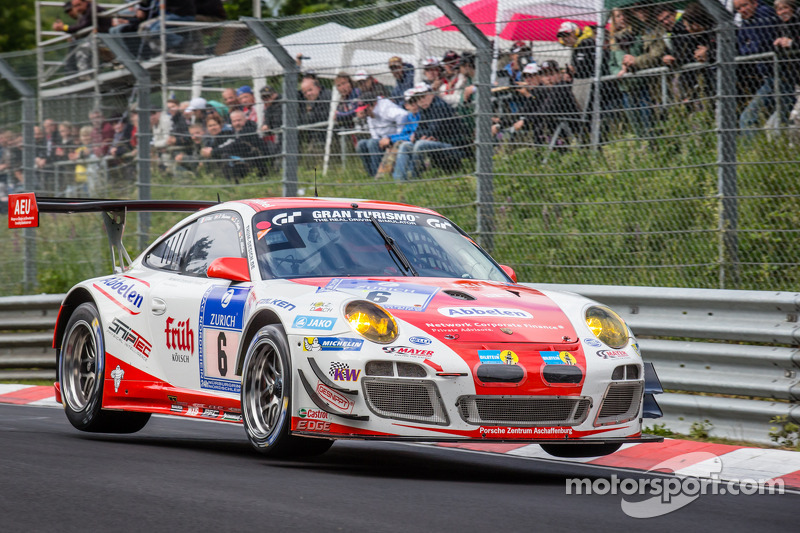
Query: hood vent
{"type": "Point", "coordinates": [458, 295]}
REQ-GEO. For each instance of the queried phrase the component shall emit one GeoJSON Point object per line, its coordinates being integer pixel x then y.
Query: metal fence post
{"type": "Point", "coordinates": [727, 126]}
{"type": "Point", "coordinates": [485, 226]}
{"type": "Point", "coordinates": [143, 128]}
{"type": "Point", "coordinates": [291, 107]}
{"type": "Point", "coordinates": [28, 164]}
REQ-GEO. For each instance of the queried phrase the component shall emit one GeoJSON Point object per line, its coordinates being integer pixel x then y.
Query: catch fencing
{"type": "Point", "coordinates": [631, 150]}
{"type": "Point", "coordinates": [728, 359]}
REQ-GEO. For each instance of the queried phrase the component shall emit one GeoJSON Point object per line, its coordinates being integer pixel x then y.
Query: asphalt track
{"type": "Point", "coordinates": [184, 475]}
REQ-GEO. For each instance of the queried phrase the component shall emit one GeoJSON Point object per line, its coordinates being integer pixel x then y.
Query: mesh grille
{"type": "Point", "coordinates": [379, 368]}
{"type": "Point", "coordinates": [620, 404]}
{"type": "Point", "coordinates": [405, 400]}
{"type": "Point", "coordinates": [524, 411]}
{"type": "Point", "coordinates": [410, 370]}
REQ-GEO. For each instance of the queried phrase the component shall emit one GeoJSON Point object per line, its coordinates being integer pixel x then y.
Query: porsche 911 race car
{"type": "Point", "coordinates": [312, 319]}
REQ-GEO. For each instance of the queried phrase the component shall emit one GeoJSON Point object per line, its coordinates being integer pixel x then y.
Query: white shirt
{"type": "Point", "coordinates": [388, 119]}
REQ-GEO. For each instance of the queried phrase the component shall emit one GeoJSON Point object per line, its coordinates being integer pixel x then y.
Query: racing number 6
{"type": "Point", "coordinates": [222, 358]}
{"type": "Point", "coordinates": [379, 297]}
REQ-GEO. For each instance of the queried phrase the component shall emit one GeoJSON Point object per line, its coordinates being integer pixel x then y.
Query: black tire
{"type": "Point", "coordinates": [580, 450]}
{"type": "Point", "coordinates": [81, 368]}
{"type": "Point", "coordinates": [267, 398]}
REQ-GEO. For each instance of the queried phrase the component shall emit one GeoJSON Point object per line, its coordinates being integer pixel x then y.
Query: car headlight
{"type": "Point", "coordinates": [607, 326]}
{"type": "Point", "coordinates": [371, 321]}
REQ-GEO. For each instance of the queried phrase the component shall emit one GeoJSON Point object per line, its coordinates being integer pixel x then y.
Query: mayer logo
{"type": "Point", "coordinates": [612, 354]}
{"type": "Point", "coordinates": [407, 350]}
{"type": "Point", "coordinates": [422, 341]}
{"type": "Point", "coordinates": [312, 322]}
{"type": "Point", "coordinates": [484, 311]}
{"type": "Point", "coordinates": [285, 218]}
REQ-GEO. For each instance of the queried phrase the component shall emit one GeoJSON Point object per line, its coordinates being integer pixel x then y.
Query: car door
{"type": "Point", "coordinates": [197, 321]}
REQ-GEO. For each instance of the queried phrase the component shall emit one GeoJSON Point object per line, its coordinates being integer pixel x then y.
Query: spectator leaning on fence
{"type": "Point", "coordinates": [401, 142]}
{"type": "Point", "coordinates": [403, 74]}
{"type": "Point", "coordinates": [384, 119]}
{"type": "Point", "coordinates": [582, 60]}
{"type": "Point", "coordinates": [346, 109]}
{"type": "Point", "coordinates": [273, 121]}
{"type": "Point", "coordinates": [520, 56]}
{"type": "Point", "coordinates": [314, 107]}
{"type": "Point", "coordinates": [101, 133]}
{"type": "Point", "coordinates": [240, 151]}
{"type": "Point", "coordinates": [700, 25]}
{"type": "Point", "coordinates": [247, 102]}
{"type": "Point", "coordinates": [757, 35]}
{"type": "Point", "coordinates": [787, 45]}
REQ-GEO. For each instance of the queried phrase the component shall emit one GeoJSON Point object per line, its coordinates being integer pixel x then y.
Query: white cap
{"type": "Point", "coordinates": [409, 93]}
{"type": "Point", "coordinates": [361, 75]}
{"type": "Point", "coordinates": [430, 62]}
{"type": "Point", "coordinates": [531, 68]}
{"type": "Point", "coordinates": [196, 103]}
{"type": "Point", "coordinates": [421, 88]}
{"type": "Point", "coordinates": [568, 27]}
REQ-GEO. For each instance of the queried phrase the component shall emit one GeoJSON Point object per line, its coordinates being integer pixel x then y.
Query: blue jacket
{"type": "Point", "coordinates": [756, 36]}
{"type": "Point", "coordinates": [412, 121]}
{"type": "Point", "coordinates": [405, 83]}
{"type": "Point", "coordinates": [441, 122]}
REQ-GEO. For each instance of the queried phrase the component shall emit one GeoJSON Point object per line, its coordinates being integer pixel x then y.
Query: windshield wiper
{"type": "Point", "coordinates": [393, 247]}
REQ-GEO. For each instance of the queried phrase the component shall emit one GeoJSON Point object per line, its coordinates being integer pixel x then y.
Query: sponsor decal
{"type": "Point", "coordinates": [210, 413]}
{"type": "Point", "coordinates": [612, 354]}
{"type": "Point", "coordinates": [389, 295]}
{"type": "Point", "coordinates": [636, 349]}
{"type": "Point", "coordinates": [461, 312]}
{"type": "Point", "coordinates": [126, 292]}
{"type": "Point", "coordinates": [283, 304]}
{"type": "Point", "coordinates": [567, 357]}
{"type": "Point", "coordinates": [23, 211]}
{"type": "Point", "coordinates": [422, 341]}
{"type": "Point", "coordinates": [408, 350]}
{"type": "Point", "coordinates": [498, 357]}
{"type": "Point", "coordinates": [313, 425]}
{"type": "Point", "coordinates": [176, 408]}
{"type": "Point", "coordinates": [557, 358]}
{"type": "Point", "coordinates": [321, 307]}
{"type": "Point", "coordinates": [311, 322]}
{"type": "Point", "coordinates": [263, 228]}
{"type": "Point", "coordinates": [334, 398]}
{"type": "Point", "coordinates": [346, 214]}
{"type": "Point", "coordinates": [331, 344]}
{"type": "Point", "coordinates": [127, 335]}
{"type": "Point", "coordinates": [343, 372]}
{"type": "Point", "coordinates": [222, 312]}
{"type": "Point", "coordinates": [173, 399]}
{"type": "Point", "coordinates": [180, 336]}
{"type": "Point", "coordinates": [439, 224]}
{"type": "Point", "coordinates": [544, 431]}
{"type": "Point", "coordinates": [594, 343]}
{"type": "Point", "coordinates": [447, 327]}
{"type": "Point", "coordinates": [117, 374]}
{"type": "Point", "coordinates": [314, 414]}
{"type": "Point", "coordinates": [193, 411]}
{"type": "Point", "coordinates": [285, 218]}
{"type": "Point", "coordinates": [232, 417]}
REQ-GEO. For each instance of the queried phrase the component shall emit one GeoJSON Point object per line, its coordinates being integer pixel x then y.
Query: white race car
{"type": "Point", "coordinates": [313, 319]}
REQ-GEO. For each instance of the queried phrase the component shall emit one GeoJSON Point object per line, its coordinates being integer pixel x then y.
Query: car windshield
{"type": "Point", "coordinates": [304, 243]}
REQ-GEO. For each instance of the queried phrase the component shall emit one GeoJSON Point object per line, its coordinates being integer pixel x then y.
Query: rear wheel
{"type": "Point", "coordinates": [267, 395]}
{"type": "Point", "coordinates": [81, 369]}
{"type": "Point", "coordinates": [580, 450]}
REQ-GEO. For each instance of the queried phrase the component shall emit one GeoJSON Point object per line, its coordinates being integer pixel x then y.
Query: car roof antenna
{"type": "Point", "coordinates": [218, 200]}
{"type": "Point", "coordinates": [316, 194]}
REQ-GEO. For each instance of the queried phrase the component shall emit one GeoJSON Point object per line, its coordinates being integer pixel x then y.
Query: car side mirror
{"type": "Point", "coordinates": [510, 271]}
{"type": "Point", "coordinates": [230, 268]}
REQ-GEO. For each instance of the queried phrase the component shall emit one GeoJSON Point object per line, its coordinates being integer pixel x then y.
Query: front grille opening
{"type": "Point", "coordinates": [379, 368]}
{"type": "Point", "coordinates": [460, 295]}
{"type": "Point", "coordinates": [410, 370]}
{"type": "Point", "coordinates": [524, 410]}
{"type": "Point", "coordinates": [620, 404]}
{"type": "Point", "coordinates": [625, 372]}
{"type": "Point", "coordinates": [405, 400]}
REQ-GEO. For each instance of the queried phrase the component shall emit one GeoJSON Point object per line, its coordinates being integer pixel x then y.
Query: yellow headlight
{"type": "Point", "coordinates": [371, 321]}
{"type": "Point", "coordinates": [607, 326]}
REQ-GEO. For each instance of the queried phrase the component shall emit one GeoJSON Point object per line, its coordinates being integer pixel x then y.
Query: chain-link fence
{"type": "Point", "coordinates": [580, 141]}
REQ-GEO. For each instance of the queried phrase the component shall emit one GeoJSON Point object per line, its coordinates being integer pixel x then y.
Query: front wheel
{"type": "Point", "coordinates": [81, 369]}
{"type": "Point", "coordinates": [580, 450]}
{"type": "Point", "coordinates": [266, 397]}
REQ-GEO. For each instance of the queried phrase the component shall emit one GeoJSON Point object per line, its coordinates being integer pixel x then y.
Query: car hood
{"type": "Point", "coordinates": [463, 310]}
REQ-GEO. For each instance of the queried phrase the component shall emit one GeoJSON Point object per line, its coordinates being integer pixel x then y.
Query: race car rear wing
{"type": "Point", "coordinates": [24, 209]}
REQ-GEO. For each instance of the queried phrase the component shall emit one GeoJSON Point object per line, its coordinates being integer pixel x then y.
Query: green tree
{"type": "Point", "coordinates": [19, 31]}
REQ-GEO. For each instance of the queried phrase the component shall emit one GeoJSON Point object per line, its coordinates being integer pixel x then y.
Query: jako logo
{"type": "Point", "coordinates": [483, 311]}
{"type": "Point", "coordinates": [180, 337]}
{"type": "Point", "coordinates": [285, 218]}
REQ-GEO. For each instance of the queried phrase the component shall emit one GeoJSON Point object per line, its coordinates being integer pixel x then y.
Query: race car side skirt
{"type": "Point", "coordinates": [576, 442]}
{"type": "Point", "coordinates": [321, 404]}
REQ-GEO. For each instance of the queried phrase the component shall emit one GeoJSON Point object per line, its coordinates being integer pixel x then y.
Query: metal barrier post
{"type": "Point", "coordinates": [143, 128]}
{"type": "Point", "coordinates": [291, 107]}
{"type": "Point", "coordinates": [483, 121]}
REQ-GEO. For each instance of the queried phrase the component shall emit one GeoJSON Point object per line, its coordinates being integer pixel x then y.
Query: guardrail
{"type": "Point", "coordinates": [728, 357]}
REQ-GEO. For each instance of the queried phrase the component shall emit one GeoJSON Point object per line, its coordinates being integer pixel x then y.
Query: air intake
{"type": "Point", "coordinates": [458, 295]}
{"type": "Point", "coordinates": [620, 404]}
{"type": "Point", "coordinates": [405, 399]}
{"type": "Point", "coordinates": [523, 410]}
